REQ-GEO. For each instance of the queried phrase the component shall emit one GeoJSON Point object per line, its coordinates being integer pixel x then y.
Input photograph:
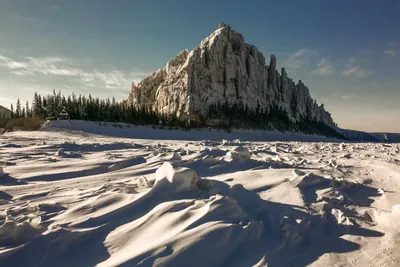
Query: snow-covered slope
{"type": "Point", "coordinates": [353, 135]}
{"type": "Point", "coordinates": [225, 69]}
{"type": "Point", "coordinates": [4, 112]}
{"type": "Point", "coordinates": [72, 198]}
{"type": "Point", "coordinates": [147, 132]}
{"type": "Point", "coordinates": [388, 137]}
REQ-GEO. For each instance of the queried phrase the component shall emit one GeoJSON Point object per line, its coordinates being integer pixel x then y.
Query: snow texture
{"type": "Point", "coordinates": [118, 201]}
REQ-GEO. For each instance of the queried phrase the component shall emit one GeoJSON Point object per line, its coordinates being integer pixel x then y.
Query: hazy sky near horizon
{"type": "Point", "coordinates": [346, 52]}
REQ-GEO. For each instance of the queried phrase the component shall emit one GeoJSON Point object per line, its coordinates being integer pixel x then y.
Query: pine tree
{"type": "Point", "coordinates": [63, 103]}
{"type": "Point", "coordinates": [37, 106]}
{"type": "Point", "coordinates": [27, 109]}
{"type": "Point", "coordinates": [18, 111]}
{"type": "Point", "coordinates": [12, 111]}
{"type": "Point", "coordinates": [51, 105]}
{"type": "Point", "coordinates": [58, 106]}
{"type": "Point", "coordinates": [44, 110]}
{"type": "Point", "coordinates": [98, 113]}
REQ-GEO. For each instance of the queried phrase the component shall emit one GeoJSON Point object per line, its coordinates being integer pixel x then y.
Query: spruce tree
{"type": "Point", "coordinates": [18, 111]}
{"type": "Point", "coordinates": [44, 110]}
{"type": "Point", "coordinates": [12, 111]}
{"type": "Point", "coordinates": [27, 109]}
{"type": "Point", "coordinates": [37, 106]}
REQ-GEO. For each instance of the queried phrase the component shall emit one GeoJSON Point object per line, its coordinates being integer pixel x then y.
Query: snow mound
{"type": "Point", "coordinates": [60, 152]}
{"type": "Point", "coordinates": [277, 162]}
{"type": "Point", "coordinates": [308, 180]}
{"type": "Point", "coordinates": [242, 152]}
{"type": "Point", "coordinates": [193, 227]}
{"type": "Point", "coordinates": [183, 179]}
{"type": "Point", "coordinates": [15, 233]}
{"type": "Point", "coordinates": [238, 153]}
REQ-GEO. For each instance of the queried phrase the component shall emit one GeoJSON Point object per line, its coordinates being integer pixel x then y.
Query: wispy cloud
{"type": "Point", "coordinates": [354, 68]}
{"type": "Point", "coordinates": [357, 71]}
{"type": "Point", "coordinates": [11, 64]}
{"type": "Point", "coordinates": [111, 79]}
{"type": "Point", "coordinates": [324, 68]}
{"type": "Point", "coordinates": [5, 99]}
{"type": "Point", "coordinates": [352, 60]}
{"type": "Point", "coordinates": [347, 97]}
{"type": "Point", "coordinates": [59, 66]}
{"type": "Point", "coordinates": [300, 58]}
{"type": "Point", "coordinates": [391, 52]}
{"type": "Point", "coordinates": [33, 66]}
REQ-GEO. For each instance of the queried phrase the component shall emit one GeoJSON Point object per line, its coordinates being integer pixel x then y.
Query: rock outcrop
{"type": "Point", "coordinates": [223, 68]}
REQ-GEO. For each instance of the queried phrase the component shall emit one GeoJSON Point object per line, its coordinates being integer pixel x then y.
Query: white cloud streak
{"type": "Point", "coordinates": [299, 59]}
{"type": "Point", "coordinates": [391, 52]}
{"type": "Point", "coordinates": [354, 69]}
{"type": "Point", "coordinates": [58, 66]}
{"type": "Point", "coordinates": [347, 97]}
{"type": "Point", "coordinates": [11, 64]}
{"type": "Point", "coordinates": [324, 68]}
{"type": "Point", "coordinates": [357, 71]}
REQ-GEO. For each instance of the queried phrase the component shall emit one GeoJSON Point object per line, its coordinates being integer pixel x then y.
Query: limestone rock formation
{"type": "Point", "coordinates": [223, 68]}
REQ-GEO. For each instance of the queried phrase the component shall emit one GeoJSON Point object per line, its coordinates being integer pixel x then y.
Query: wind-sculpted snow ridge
{"type": "Point", "coordinates": [225, 69]}
{"type": "Point", "coordinates": [77, 199]}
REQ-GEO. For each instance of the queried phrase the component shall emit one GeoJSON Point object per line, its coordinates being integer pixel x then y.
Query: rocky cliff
{"type": "Point", "coordinates": [223, 68]}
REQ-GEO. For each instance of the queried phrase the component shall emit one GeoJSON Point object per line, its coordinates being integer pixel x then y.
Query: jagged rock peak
{"type": "Point", "coordinates": [283, 72]}
{"type": "Point", "coordinates": [225, 69]}
{"type": "Point", "coordinates": [272, 63]}
{"type": "Point", "coordinates": [177, 60]}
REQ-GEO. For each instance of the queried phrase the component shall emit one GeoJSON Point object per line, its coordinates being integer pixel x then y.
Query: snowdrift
{"type": "Point", "coordinates": [70, 198]}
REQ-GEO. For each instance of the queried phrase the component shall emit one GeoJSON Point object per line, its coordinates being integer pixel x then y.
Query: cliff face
{"type": "Point", "coordinates": [223, 68]}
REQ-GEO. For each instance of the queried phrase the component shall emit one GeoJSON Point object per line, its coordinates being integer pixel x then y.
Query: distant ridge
{"type": "Point", "coordinates": [353, 135]}
{"type": "Point", "coordinates": [387, 137]}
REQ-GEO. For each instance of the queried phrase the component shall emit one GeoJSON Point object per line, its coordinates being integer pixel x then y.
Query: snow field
{"type": "Point", "coordinates": [71, 198]}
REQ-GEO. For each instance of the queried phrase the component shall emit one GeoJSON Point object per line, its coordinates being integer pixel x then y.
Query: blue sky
{"type": "Point", "coordinates": [347, 52]}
